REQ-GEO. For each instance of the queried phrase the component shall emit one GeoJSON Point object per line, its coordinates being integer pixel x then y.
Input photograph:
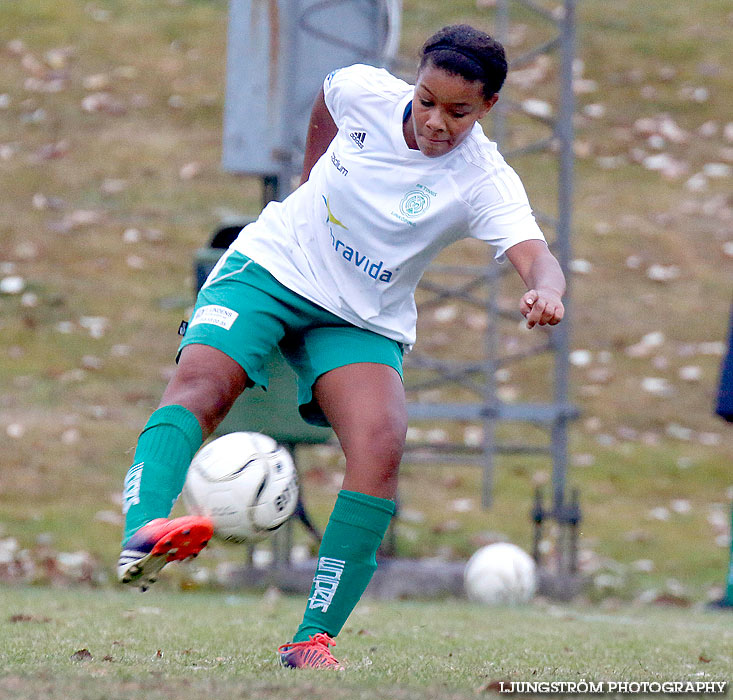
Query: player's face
{"type": "Point", "coordinates": [444, 109]}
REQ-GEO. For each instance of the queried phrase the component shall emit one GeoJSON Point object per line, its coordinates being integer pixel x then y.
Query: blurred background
{"type": "Point", "coordinates": [111, 180]}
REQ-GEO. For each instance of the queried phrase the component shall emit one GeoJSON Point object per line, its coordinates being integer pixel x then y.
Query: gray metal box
{"type": "Point", "coordinates": [279, 52]}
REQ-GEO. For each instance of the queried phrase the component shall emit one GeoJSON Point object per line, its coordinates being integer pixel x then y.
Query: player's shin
{"type": "Point", "coordinates": [346, 561]}
{"type": "Point", "coordinates": [155, 479]}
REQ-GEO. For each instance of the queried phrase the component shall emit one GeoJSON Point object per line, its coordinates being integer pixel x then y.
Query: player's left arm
{"type": "Point", "coordinates": [540, 271]}
{"type": "Point", "coordinates": [321, 131]}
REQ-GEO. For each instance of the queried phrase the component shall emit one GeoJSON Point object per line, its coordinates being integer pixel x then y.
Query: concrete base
{"type": "Point", "coordinates": [395, 579]}
{"type": "Point", "coordinates": [559, 586]}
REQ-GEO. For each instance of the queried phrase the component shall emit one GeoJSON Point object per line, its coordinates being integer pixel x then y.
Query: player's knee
{"type": "Point", "coordinates": [373, 452]}
{"type": "Point", "coordinates": [382, 441]}
{"type": "Point", "coordinates": [204, 391]}
{"type": "Point", "coordinates": [391, 444]}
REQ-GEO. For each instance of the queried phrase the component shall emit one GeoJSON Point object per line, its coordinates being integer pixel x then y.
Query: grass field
{"type": "Point", "coordinates": [110, 140]}
{"type": "Point", "coordinates": [100, 644]}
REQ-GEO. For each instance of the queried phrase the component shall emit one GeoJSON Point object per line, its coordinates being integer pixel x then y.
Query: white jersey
{"type": "Point", "coordinates": [357, 236]}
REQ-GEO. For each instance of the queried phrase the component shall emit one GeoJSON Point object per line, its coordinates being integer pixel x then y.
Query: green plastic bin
{"type": "Point", "coordinates": [273, 412]}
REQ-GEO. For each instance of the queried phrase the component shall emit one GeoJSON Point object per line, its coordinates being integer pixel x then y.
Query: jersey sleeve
{"type": "Point", "coordinates": [339, 88]}
{"type": "Point", "coordinates": [501, 213]}
{"type": "Point", "coordinates": [345, 88]}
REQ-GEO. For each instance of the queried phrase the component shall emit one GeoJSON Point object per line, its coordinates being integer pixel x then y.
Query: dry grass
{"type": "Point", "coordinates": [60, 644]}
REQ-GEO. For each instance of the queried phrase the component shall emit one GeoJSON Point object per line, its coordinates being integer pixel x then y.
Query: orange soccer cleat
{"type": "Point", "coordinates": [159, 542]}
{"type": "Point", "coordinates": [314, 653]}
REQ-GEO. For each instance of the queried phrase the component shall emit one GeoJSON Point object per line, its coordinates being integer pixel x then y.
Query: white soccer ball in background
{"type": "Point", "coordinates": [245, 483]}
{"type": "Point", "coordinates": [500, 574]}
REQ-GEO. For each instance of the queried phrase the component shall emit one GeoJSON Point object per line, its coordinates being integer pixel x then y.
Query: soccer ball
{"type": "Point", "coordinates": [500, 574]}
{"type": "Point", "coordinates": [245, 483]}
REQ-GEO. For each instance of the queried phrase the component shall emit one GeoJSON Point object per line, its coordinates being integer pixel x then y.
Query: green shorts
{"type": "Point", "coordinates": [245, 312]}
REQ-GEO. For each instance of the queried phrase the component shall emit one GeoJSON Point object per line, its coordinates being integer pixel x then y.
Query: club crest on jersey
{"type": "Point", "coordinates": [358, 137]}
{"type": "Point", "coordinates": [414, 204]}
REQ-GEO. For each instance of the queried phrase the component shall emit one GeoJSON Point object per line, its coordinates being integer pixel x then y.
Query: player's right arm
{"type": "Point", "coordinates": [542, 303]}
{"type": "Point", "coordinates": [321, 131]}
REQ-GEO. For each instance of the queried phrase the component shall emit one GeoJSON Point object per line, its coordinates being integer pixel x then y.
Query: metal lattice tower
{"type": "Point", "coordinates": [479, 287]}
{"type": "Point", "coordinates": [284, 48]}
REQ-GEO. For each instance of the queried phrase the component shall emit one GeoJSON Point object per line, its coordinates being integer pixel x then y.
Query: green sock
{"type": "Point", "coordinates": [346, 561]}
{"type": "Point", "coordinates": [164, 451]}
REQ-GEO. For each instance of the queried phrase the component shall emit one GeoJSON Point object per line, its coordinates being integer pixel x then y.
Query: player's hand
{"type": "Point", "coordinates": [542, 307]}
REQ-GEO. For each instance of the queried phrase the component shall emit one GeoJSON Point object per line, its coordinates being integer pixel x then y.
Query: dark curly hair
{"type": "Point", "coordinates": [468, 52]}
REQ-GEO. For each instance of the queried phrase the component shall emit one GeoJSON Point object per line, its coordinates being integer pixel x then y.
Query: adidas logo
{"type": "Point", "coordinates": [358, 138]}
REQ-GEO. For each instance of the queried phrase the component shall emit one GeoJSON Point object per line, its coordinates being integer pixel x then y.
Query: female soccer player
{"type": "Point", "coordinates": [392, 175]}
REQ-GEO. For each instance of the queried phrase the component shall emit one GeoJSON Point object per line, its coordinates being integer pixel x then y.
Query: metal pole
{"type": "Point", "coordinates": [500, 111]}
{"type": "Point", "coordinates": [488, 439]}
{"type": "Point", "coordinates": [565, 135]}
{"type": "Point", "coordinates": [289, 123]}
